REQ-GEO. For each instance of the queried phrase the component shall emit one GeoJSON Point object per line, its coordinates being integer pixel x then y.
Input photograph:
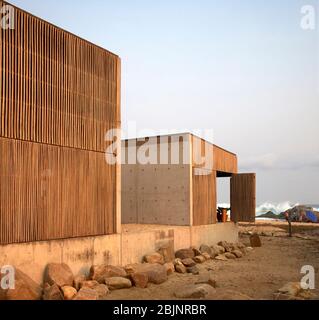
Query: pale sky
{"type": "Point", "coordinates": [244, 68]}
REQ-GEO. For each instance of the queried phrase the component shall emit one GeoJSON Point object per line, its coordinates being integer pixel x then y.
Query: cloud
{"type": "Point", "coordinates": [271, 161]}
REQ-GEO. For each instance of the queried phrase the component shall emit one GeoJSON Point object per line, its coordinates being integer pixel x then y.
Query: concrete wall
{"type": "Point", "coordinates": [118, 249]}
{"type": "Point", "coordinates": [158, 192]}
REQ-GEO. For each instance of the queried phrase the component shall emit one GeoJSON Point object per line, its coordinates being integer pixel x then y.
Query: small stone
{"type": "Point", "coordinates": [205, 248]}
{"type": "Point", "coordinates": [78, 280]}
{"type": "Point", "coordinates": [154, 258]}
{"type": "Point", "coordinates": [240, 245]}
{"type": "Point", "coordinates": [188, 262]}
{"type": "Point", "coordinates": [199, 259]}
{"type": "Point", "coordinates": [60, 274]}
{"type": "Point", "coordinates": [102, 290]}
{"type": "Point", "coordinates": [140, 279]}
{"type": "Point", "coordinates": [69, 292]}
{"type": "Point", "coordinates": [237, 253]}
{"type": "Point", "coordinates": [255, 240]}
{"type": "Point", "coordinates": [170, 268]}
{"type": "Point", "coordinates": [206, 256]}
{"type": "Point", "coordinates": [218, 249]}
{"type": "Point", "coordinates": [116, 283]}
{"type": "Point", "coordinates": [100, 272]}
{"type": "Point", "coordinates": [194, 291]}
{"type": "Point", "coordinates": [229, 255]}
{"type": "Point", "coordinates": [180, 268]}
{"type": "Point", "coordinates": [196, 252]}
{"type": "Point", "coordinates": [184, 254]}
{"type": "Point", "coordinates": [52, 293]}
{"type": "Point", "coordinates": [221, 257]}
{"type": "Point", "coordinates": [178, 261]}
{"type": "Point", "coordinates": [225, 245]}
{"type": "Point", "coordinates": [249, 249]}
{"type": "Point", "coordinates": [156, 272]}
{"type": "Point", "coordinates": [86, 294]}
{"type": "Point", "coordinates": [88, 284]}
{"type": "Point", "coordinates": [194, 270]}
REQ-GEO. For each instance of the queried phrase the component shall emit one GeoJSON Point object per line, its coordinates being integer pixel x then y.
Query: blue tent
{"type": "Point", "coordinates": [311, 216]}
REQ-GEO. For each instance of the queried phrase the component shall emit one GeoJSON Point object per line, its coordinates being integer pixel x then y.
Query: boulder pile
{"type": "Point", "coordinates": [61, 284]}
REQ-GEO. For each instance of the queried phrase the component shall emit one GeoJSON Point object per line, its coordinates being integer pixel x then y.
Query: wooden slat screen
{"type": "Point", "coordinates": [243, 197]}
{"type": "Point", "coordinates": [204, 197]}
{"type": "Point", "coordinates": [59, 95]}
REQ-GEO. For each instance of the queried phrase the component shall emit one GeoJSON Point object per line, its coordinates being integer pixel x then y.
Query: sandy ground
{"type": "Point", "coordinates": [258, 274]}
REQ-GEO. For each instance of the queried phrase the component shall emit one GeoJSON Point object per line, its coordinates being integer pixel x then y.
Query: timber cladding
{"type": "Point", "coordinates": [59, 96]}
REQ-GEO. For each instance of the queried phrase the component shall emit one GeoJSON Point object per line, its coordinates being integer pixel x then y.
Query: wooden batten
{"type": "Point", "coordinates": [59, 96]}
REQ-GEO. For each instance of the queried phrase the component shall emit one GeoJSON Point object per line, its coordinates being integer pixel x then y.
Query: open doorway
{"type": "Point", "coordinates": [223, 197]}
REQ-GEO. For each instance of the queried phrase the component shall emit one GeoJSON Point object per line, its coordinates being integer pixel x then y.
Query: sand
{"type": "Point", "coordinates": [258, 274]}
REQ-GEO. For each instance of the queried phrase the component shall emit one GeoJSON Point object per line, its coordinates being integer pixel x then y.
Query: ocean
{"type": "Point", "coordinates": [274, 207]}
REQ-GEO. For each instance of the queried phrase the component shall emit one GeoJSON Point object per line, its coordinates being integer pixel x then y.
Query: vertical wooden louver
{"type": "Point", "coordinates": [59, 96]}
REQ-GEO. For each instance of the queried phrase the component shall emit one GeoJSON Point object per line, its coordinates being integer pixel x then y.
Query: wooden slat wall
{"type": "Point", "coordinates": [243, 197]}
{"type": "Point", "coordinates": [59, 95]}
{"type": "Point", "coordinates": [224, 161]}
{"type": "Point", "coordinates": [221, 160]}
{"type": "Point", "coordinates": [204, 197]}
{"type": "Point", "coordinates": [56, 88]}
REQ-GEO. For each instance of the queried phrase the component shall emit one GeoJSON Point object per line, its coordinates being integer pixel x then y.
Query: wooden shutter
{"type": "Point", "coordinates": [243, 197]}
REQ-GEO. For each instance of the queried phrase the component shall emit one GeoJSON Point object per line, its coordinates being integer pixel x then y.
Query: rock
{"type": "Point", "coordinates": [102, 290]}
{"type": "Point", "coordinates": [207, 278]}
{"type": "Point", "coordinates": [221, 257]}
{"type": "Point", "coordinates": [25, 288]}
{"type": "Point", "coordinates": [116, 283]}
{"type": "Point", "coordinates": [194, 270]}
{"type": "Point", "coordinates": [180, 268]}
{"type": "Point", "coordinates": [89, 284]}
{"type": "Point", "coordinates": [87, 294]}
{"type": "Point", "coordinates": [52, 293]}
{"type": "Point", "coordinates": [205, 248]}
{"type": "Point", "coordinates": [199, 259]}
{"type": "Point", "coordinates": [188, 262]}
{"type": "Point", "coordinates": [140, 279]}
{"type": "Point", "coordinates": [69, 292]}
{"type": "Point", "coordinates": [240, 245]}
{"type": "Point", "coordinates": [206, 256]}
{"type": "Point", "coordinates": [154, 258]}
{"type": "Point", "coordinates": [218, 249]}
{"type": "Point", "coordinates": [225, 245]}
{"type": "Point", "coordinates": [100, 272]}
{"type": "Point", "coordinates": [156, 272]}
{"type": "Point", "coordinates": [170, 268]}
{"type": "Point", "coordinates": [255, 240]}
{"type": "Point", "coordinates": [291, 288]}
{"type": "Point", "coordinates": [249, 249]}
{"type": "Point", "coordinates": [167, 251]}
{"type": "Point", "coordinates": [196, 252]}
{"type": "Point", "coordinates": [185, 254]}
{"type": "Point", "coordinates": [78, 280]}
{"type": "Point", "coordinates": [178, 261]}
{"type": "Point", "coordinates": [194, 291]}
{"type": "Point", "coordinates": [60, 274]}
{"type": "Point", "coordinates": [229, 255]}
{"type": "Point", "coordinates": [237, 253]}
